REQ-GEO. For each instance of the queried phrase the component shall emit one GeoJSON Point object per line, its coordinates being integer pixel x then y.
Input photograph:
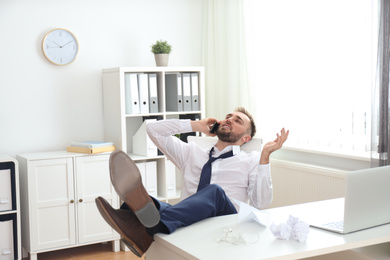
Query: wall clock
{"type": "Point", "coordinates": [60, 46]}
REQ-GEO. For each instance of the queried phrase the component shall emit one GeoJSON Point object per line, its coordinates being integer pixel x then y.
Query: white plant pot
{"type": "Point", "coordinates": [161, 59]}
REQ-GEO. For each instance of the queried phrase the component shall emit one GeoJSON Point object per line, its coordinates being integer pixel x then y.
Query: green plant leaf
{"type": "Point", "coordinates": [161, 47]}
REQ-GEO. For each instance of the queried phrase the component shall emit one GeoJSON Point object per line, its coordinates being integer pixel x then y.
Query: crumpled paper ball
{"type": "Point", "coordinates": [281, 231]}
{"type": "Point", "coordinates": [300, 231]}
{"type": "Point", "coordinates": [292, 220]}
{"type": "Point", "coordinates": [293, 228]}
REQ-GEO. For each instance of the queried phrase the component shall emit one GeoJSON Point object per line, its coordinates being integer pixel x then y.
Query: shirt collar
{"type": "Point", "coordinates": [235, 148]}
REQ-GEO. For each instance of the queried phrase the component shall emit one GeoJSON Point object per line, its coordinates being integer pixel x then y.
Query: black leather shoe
{"type": "Point", "coordinates": [126, 179]}
{"type": "Point", "coordinates": [125, 222]}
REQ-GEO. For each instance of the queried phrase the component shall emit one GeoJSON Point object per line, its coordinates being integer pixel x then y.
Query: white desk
{"type": "Point", "coordinates": [199, 241]}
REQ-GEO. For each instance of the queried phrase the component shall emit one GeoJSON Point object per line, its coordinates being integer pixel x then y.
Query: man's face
{"type": "Point", "coordinates": [233, 127]}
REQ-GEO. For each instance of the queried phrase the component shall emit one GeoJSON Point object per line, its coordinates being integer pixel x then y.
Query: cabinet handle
{"type": "Point", "coordinates": [71, 201]}
{"type": "Point", "coordinates": [80, 200]}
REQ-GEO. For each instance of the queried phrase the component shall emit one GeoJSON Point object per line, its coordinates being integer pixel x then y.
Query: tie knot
{"type": "Point", "coordinates": [222, 156]}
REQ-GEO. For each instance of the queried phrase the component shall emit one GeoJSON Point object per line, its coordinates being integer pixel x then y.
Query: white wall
{"type": "Point", "coordinates": [44, 107]}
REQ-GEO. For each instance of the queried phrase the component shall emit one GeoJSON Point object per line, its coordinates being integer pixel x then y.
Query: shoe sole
{"type": "Point", "coordinates": [130, 189]}
{"type": "Point", "coordinates": [127, 241]}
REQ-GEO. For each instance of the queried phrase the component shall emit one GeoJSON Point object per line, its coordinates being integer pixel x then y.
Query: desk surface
{"type": "Point", "coordinates": [199, 241]}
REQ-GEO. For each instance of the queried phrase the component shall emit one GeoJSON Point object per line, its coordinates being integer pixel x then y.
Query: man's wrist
{"type": "Point", "coordinates": [264, 158]}
{"type": "Point", "coordinates": [195, 126]}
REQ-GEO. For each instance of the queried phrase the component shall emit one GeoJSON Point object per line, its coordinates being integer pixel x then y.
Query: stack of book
{"type": "Point", "coordinates": [91, 147]}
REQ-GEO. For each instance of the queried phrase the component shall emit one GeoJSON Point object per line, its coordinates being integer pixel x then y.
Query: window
{"type": "Point", "coordinates": [311, 68]}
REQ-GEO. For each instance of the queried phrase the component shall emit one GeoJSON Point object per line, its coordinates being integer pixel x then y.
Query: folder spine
{"type": "Point", "coordinates": [173, 92]}
{"type": "Point", "coordinates": [153, 93]}
{"type": "Point", "coordinates": [131, 94]}
{"type": "Point", "coordinates": [194, 91]}
{"type": "Point", "coordinates": [186, 79]}
{"type": "Point", "coordinates": [143, 89]}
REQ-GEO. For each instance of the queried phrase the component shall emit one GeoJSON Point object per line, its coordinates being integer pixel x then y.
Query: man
{"type": "Point", "coordinates": [209, 184]}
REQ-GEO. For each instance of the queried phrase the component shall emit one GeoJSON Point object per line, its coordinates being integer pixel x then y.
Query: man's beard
{"type": "Point", "coordinates": [228, 137]}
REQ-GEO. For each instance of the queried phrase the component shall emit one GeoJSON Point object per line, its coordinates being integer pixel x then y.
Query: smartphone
{"type": "Point", "coordinates": [214, 128]}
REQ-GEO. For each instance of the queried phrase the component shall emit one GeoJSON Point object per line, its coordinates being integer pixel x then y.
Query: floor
{"type": "Point", "coordinates": [91, 252]}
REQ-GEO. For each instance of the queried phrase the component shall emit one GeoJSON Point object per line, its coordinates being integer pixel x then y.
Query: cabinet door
{"type": "Point", "coordinates": [51, 195]}
{"type": "Point", "coordinates": [93, 180]}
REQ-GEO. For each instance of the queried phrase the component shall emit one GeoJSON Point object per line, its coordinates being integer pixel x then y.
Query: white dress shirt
{"type": "Point", "coordinates": [241, 176]}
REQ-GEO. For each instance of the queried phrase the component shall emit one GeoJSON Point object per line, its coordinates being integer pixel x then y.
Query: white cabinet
{"type": "Point", "coordinates": [10, 232]}
{"type": "Point", "coordinates": [58, 191]}
{"type": "Point", "coordinates": [120, 126]}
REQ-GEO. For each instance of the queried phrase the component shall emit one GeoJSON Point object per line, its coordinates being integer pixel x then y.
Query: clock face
{"type": "Point", "coordinates": [60, 46]}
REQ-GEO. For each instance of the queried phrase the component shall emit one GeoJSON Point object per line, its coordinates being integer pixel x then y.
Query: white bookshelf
{"type": "Point", "coordinates": [120, 127]}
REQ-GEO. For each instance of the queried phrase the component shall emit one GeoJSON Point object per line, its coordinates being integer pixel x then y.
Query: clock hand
{"type": "Point", "coordinates": [67, 43]}
{"type": "Point", "coordinates": [48, 46]}
{"type": "Point", "coordinates": [56, 44]}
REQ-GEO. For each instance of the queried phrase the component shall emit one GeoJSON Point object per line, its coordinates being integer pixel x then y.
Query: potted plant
{"type": "Point", "coordinates": [161, 50]}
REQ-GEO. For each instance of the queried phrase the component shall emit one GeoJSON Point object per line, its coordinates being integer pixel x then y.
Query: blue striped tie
{"type": "Point", "coordinates": [205, 176]}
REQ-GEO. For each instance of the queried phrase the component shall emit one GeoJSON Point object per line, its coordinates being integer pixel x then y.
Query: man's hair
{"type": "Point", "coordinates": [252, 130]}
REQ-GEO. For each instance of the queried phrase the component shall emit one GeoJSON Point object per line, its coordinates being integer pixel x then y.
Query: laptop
{"type": "Point", "coordinates": [366, 203]}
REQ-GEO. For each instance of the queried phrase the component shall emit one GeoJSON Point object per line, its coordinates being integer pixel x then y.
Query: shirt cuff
{"type": "Point", "coordinates": [265, 168]}
{"type": "Point", "coordinates": [185, 126]}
